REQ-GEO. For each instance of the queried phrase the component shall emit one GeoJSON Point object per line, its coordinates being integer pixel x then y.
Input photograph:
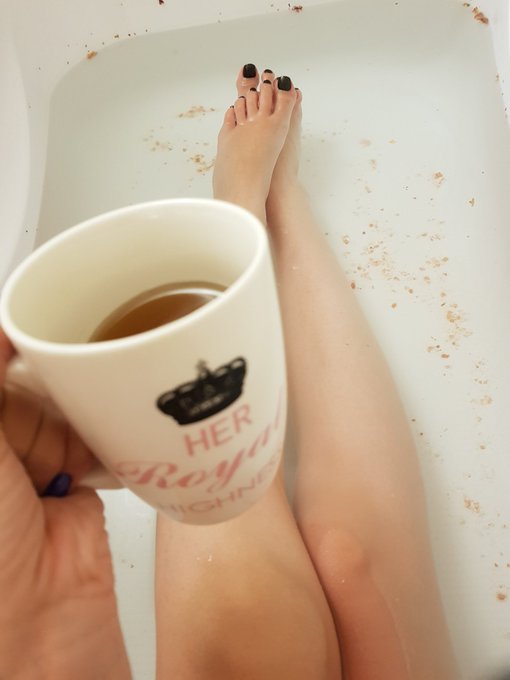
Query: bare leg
{"type": "Point", "coordinates": [251, 140]}
{"type": "Point", "coordinates": [241, 600]}
{"type": "Point", "coordinates": [359, 499]}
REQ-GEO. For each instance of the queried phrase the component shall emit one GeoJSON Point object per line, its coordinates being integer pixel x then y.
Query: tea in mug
{"type": "Point", "coordinates": [154, 308]}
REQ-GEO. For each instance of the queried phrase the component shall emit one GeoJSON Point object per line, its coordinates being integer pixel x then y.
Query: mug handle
{"type": "Point", "coordinates": [18, 373]}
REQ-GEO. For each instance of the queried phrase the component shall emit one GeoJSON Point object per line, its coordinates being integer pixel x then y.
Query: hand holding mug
{"type": "Point", "coordinates": [58, 611]}
{"type": "Point", "coordinates": [190, 414]}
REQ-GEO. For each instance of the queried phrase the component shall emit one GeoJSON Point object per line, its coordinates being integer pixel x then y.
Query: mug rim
{"type": "Point", "coordinates": [18, 336]}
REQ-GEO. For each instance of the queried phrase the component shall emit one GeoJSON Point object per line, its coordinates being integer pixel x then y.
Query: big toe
{"type": "Point", "coordinates": [247, 78]}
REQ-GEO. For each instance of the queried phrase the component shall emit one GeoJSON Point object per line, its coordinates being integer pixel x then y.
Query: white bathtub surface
{"type": "Point", "coordinates": [406, 153]}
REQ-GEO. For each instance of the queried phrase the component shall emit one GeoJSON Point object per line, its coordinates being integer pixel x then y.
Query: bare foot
{"type": "Point", "coordinates": [252, 137]}
{"type": "Point", "coordinates": [285, 175]}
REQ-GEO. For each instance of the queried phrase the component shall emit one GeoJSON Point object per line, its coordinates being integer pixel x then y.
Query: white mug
{"type": "Point", "coordinates": [191, 415]}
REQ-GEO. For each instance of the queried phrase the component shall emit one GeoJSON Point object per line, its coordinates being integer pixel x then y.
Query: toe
{"type": "Point", "coordinates": [247, 78]}
{"type": "Point", "coordinates": [297, 112]}
{"type": "Point", "coordinates": [284, 94]}
{"type": "Point", "coordinates": [252, 103]}
{"type": "Point", "coordinates": [267, 74]}
{"type": "Point", "coordinates": [229, 121]}
{"type": "Point", "coordinates": [240, 109]}
{"type": "Point", "coordinates": [266, 97]}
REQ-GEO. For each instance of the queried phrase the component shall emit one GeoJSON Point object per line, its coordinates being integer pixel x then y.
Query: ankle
{"type": "Point", "coordinates": [246, 201]}
{"type": "Point", "coordinates": [289, 196]}
{"type": "Point", "coordinates": [246, 189]}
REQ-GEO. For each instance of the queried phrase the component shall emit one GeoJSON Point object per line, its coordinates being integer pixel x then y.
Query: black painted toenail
{"type": "Point", "coordinates": [249, 71]}
{"type": "Point", "coordinates": [241, 96]}
{"type": "Point", "coordinates": [253, 89]}
{"type": "Point", "coordinates": [267, 70]}
{"type": "Point", "coordinates": [267, 82]}
{"type": "Point", "coordinates": [284, 83]}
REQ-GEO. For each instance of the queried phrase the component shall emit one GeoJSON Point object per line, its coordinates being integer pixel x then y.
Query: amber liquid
{"type": "Point", "coordinates": [154, 308]}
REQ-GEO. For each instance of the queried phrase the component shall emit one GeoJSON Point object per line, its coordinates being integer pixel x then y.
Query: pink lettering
{"type": "Point", "coordinates": [242, 489]}
{"type": "Point", "coordinates": [128, 468]}
{"type": "Point", "coordinates": [192, 479]}
{"type": "Point", "coordinates": [218, 429]}
{"type": "Point", "coordinates": [202, 441]}
{"type": "Point", "coordinates": [264, 437]}
{"type": "Point", "coordinates": [278, 410]}
{"type": "Point", "coordinates": [176, 510]}
{"type": "Point", "coordinates": [224, 471]}
{"type": "Point", "coordinates": [219, 432]}
{"type": "Point", "coordinates": [262, 477]}
{"type": "Point", "coordinates": [267, 470]}
{"type": "Point", "coordinates": [201, 506]}
{"type": "Point", "coordinates": [220, 502]}
{"type": "Point", "coordinates": [241, 415]}
{"type": "Point", "coordinates": [166, 475]}
{"type": "Point", "coordinates": [139, 473]}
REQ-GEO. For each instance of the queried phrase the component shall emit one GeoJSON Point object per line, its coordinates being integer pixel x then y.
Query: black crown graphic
{"type": "Point", "coordinates": [209, 394]}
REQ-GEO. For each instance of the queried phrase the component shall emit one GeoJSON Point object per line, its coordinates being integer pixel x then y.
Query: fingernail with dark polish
{"type": "Point", "coordinates": [253, 89]}
{"type": "Point", "coordinates": [284, 83]}
{"type": "Point", "coordinates": [267, 82]}
{"type": "Point", "coordinates": [249, 71]}
{"type": "Point", "coordinates": [59, 486]}
{"type": "Point", "coordinates": [267, 70]}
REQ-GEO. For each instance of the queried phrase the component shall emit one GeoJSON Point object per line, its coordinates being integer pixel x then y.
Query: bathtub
{"type": "Point", "coordinates": [406, 154]}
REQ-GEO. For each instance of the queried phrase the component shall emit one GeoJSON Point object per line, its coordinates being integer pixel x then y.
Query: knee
{"type": "Point", "coordinates": [339, 557]}
{"type": "Point", "coordinates": [270, 638]}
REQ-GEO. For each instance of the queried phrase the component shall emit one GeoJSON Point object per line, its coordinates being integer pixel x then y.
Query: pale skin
{"type": "Point", "coordinates": [341, 585]}
{"type": "Point", "coordinates": [58, 613]}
